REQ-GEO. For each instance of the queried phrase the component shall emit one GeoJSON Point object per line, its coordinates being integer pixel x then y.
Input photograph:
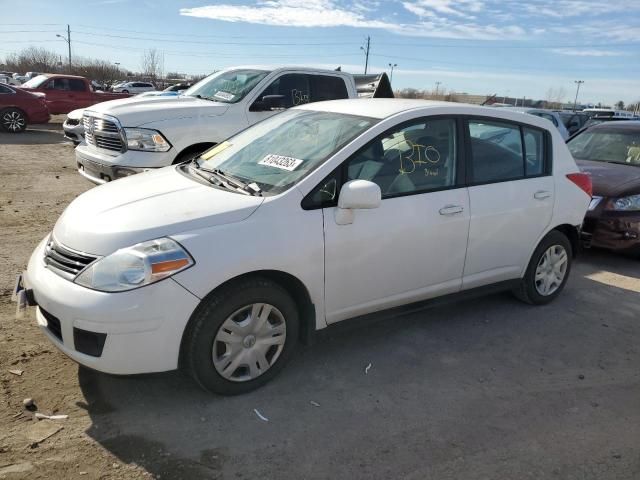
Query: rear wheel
{"type": "Point", "coordinates": [241, 336]}
{"type": "Point", "coordinates": [13, 120]}
{"type": "Point", "coordinates": [548, 270]}
{"type": "Point", "coordinates": [125, 91]}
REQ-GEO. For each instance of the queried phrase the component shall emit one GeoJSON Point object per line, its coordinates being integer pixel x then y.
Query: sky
{"type": "Point", "coordinates": [510, 48]}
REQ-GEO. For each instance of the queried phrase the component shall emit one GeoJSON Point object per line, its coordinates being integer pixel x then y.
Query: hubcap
{"type": "Point", "coordinates": [249, 342]}
{"type": "Point", "coordinates": [551, 270]}
{"type": "Point", "coordinates": [13, 121]}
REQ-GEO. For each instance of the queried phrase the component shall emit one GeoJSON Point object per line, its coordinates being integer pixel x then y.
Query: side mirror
{"type": "Point", "coordinates": [268, 103]}
{"type": "Point", "coordinates": [356, 195]}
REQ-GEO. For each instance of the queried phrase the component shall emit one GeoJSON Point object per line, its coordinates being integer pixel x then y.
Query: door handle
{"type": "Point", "coordinates": [541, 195]}
{"type": "Point", "coordinates": [451, 210]}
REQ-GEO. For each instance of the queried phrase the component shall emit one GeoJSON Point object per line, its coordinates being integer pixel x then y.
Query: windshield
{"type": "Point", "coordinates": [607, 146]}
{"type": "Point", "coordinates": [35, 82]}
{"type": "Point", "coordinates": [279, 151]}
{"type": "Point", "coordinates": [227, 87]}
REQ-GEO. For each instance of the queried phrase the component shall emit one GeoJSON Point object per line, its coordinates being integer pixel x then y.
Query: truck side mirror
{"type": "Point", "coordinates": [268, 103]}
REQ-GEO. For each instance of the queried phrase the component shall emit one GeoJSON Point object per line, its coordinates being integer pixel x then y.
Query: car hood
{"type": "Point", "coordinates": [612, 179]}
{"type": "Point", "coordinates": [137, 111]}
{"type": "Point", "coordinates": [145, 206]}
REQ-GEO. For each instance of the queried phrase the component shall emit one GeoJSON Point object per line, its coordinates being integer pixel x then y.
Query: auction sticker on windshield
{"type": "Point", "coordinates": [281, 162]}
{"type": "Point", "coordinates": [224, 95]}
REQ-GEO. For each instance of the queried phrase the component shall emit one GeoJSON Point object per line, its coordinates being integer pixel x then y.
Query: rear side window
{"type": "Point", "coordinates": [327, 88]}
{"type": "Point", "coordinates": [294, 88]}
{"type": "Point", "coordinates": [502, 151]}
{"type": "Point", "coordinates": [76, 85]}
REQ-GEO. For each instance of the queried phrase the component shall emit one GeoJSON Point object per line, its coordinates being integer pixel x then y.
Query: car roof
{"type": "Point", "coordinates": [57, 75]}
{"type": "Point", "coordinates": [386, 107]}
{"type": "Point", "coordinates": [633, 125]}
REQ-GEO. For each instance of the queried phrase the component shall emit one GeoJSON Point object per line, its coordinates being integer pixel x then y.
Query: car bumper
{"type": "Point", "coordinates": [75, 133]}
{"type": "Point", "coordinates": [39, 117]}
{"type": "Point", "coordinates": [618, 231]}
{"type": "Point", "coordinates": [101, 167]}
{"type": "Point", "coordinates": [132, 332]}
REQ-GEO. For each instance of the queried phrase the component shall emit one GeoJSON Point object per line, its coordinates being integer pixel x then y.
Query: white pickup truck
{"type": "Point", "coordinates": [124, 137]}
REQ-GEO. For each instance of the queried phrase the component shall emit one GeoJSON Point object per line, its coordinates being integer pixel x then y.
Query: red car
{"type": "Point", "coordinates": [65, 93]}
{"type": "Point", "coordinates": [19, 108]}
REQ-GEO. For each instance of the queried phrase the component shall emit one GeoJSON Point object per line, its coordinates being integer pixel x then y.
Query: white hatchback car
{"type": "Point", "coordinates": [324, 212]}
{"type": "Point", "coordinates": [134, 87]}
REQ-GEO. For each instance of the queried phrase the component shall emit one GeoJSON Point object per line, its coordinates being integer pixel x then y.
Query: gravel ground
{"type": "Point", "coordinates": [481, 389]}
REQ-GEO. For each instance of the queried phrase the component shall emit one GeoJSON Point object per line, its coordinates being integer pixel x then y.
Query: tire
{"type": "Point", "coordinates": [227, 356]}
{"type": "Point", "coordinates": [13, 120]}
{"type": "Point", "coordinates": [125, 91]}
{"type": "Point", "coordinates": [533, 286]}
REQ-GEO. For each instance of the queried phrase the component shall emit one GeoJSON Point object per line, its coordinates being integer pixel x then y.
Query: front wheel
{"type": "Point", "coordinates": [241, 336]}
{"type": "Point", "coordinates": [548, 270]}
{"type": "Point", "coordinates": [13, 120]}
{"type": "Point", "coordinates": [125, 91]}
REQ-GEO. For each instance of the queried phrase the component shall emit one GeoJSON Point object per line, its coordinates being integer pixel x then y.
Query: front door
{"type": "Point", "coordinates": [413, 246]}
{"type": "Point", "coordinates": [511, 191]}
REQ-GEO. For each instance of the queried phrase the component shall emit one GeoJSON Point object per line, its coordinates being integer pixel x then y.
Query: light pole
{"type": "Point", "coordinates": [578, 83]}
{"type": "Point", "coordinates": [68, 40]}
{"type": "Point", "coordinates": [394, 65]}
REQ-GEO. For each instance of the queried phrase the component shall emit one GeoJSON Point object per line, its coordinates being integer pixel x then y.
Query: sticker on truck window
{"type": "Point", "coordinates": [215, 150]}
{"type": "Point", "coordinates": [224, 95]}
{"type": "Point", "coordinates": [281, 162]}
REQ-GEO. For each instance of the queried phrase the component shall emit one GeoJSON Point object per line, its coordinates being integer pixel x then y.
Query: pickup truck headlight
{"type": "Point", "coordinates": [146, 140]}
{"type": "Point", "coordinates": [630, 203]}
{"type": "Point", "coordinates": [136, 266]}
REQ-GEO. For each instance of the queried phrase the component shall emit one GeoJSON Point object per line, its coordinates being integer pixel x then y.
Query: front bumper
{"type": "Point", "coordinates": [75, 133]}
{"type": "Point", "coordinates": [101, 167]}
{"type": "Point", "coordinates": [141, 329]}
{"type": "Point", "coordinates": [612, 230]}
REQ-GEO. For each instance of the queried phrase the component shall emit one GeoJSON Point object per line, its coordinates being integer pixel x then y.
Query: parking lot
{"type": "Point", "coordinates": [487, 388]}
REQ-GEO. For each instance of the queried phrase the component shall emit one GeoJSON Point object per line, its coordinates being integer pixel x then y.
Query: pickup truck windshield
{"type": "Point", "coordinates": [279, 151]}
{"type": "Point", "coordinates": [35, 82]}
{"type": "Point", "coordinates": [227, 87]}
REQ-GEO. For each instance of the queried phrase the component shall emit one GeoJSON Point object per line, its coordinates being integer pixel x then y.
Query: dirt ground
{"type": "Point", "coordinates": [482, 389]}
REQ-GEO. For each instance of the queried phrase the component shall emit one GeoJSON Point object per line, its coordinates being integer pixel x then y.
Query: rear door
{"type": "Point", "coordinates": [81, 96]}
{"type": "Point", "coordinates": [511, 194]}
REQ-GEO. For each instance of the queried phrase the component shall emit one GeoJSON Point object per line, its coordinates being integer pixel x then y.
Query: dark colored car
{"type": "Point", "coordinates": [19, 108]}
{"type": "Point", "coordinates": [573, 121]}
{"type": "Point", "coordinates": [610, 152]}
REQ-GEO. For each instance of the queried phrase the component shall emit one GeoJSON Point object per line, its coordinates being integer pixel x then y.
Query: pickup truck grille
{"type": "Point", "coordinates": [103, 133]}
{"type": "Point", "coordinates": [65, 262]}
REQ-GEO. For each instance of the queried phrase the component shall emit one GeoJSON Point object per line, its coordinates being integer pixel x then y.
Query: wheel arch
{"type": "Point", "coordinates": [571, 232]}
{"type": "Point", "coordinates": [290, 283]}
{"type": "Point", "coordinates": [195, 148]}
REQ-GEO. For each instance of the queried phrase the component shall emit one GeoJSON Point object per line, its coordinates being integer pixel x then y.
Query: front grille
{"type": "Point", "coordinates": [65, 262]}
{"type": "Point", "coordinates": [103, 133]}
{"type": "Point", "coordinates": [72, 121]}
{"type": "Point", "coordinates": [53, 324]}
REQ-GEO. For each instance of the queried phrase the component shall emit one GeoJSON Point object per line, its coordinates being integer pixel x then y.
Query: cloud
{"type": "Point", "coordinates": [290, 13]}
{"type": "Point", "coordinates": [585, 52]}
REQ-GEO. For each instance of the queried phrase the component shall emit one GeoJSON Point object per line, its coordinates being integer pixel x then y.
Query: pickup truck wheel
{"type": "Point", "coordinates": [125, 91]}
{"type": "Point", "coordinates": [13, 120]}
{"type": "Point", "coordinates": [241, 336]}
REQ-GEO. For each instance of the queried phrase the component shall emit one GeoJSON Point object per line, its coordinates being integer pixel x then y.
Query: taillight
{"type": "Point", "coordinates": [582, 180]}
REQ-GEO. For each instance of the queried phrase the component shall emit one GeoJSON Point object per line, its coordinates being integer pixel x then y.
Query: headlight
{"type": "Point", "coordinates": [146, 140]}
{"type": "Point", "coordinates": [133, 267]}
{"type": "Point", "coordinates": [630, 203]}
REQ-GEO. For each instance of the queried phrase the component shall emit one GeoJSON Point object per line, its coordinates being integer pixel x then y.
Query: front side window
{"type": "Point", "coordinates": [228, 87]}
{"type": "Point", "coordinates": [293, 87]}
{"type": "Point", "coordinates": [417, 157]}
{"type": "Point", "coordinates": [58, 84]}
{"type": "Point", "coordinates": [278, 152]}
{"type": "Point", "coordinates": [607, 145]}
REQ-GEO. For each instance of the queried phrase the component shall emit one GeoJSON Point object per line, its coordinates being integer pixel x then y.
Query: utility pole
{"type": "Point", "coordinates": [68, 40]}
{"type": "Point", "coordinates": [575, 102]}
{"type": "Point", "coordinates": [366, 54]}
{"type": "Point", "coordinates": [437, 87]}
{"type": "Point", "coordinates": [392, 67]}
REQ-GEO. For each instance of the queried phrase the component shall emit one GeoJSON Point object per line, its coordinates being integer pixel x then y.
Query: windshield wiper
{"type": "Point", "coordinates": [250, 188]}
